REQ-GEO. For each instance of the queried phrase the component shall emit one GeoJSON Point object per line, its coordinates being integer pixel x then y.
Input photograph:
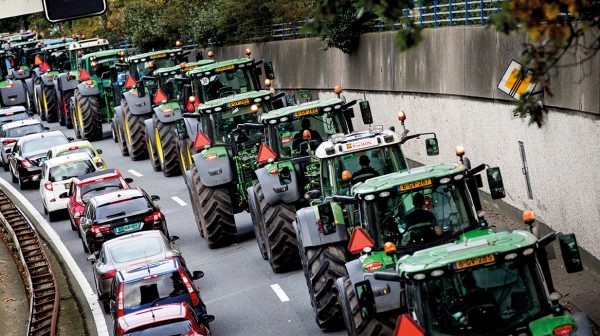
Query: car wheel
{"type": "Point", "coordinates": [52, 216]}
{"type": "Point", "coordinates": [22, 184]}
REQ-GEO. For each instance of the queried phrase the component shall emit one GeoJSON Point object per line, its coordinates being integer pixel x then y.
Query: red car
{"type": "Point", "coordinates": [88, 185]}
{"type": "Point", "coordinates": [169, 319]}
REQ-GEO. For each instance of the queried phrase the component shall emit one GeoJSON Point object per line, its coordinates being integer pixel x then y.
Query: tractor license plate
{"type": "Point", "coordinates": [158, 56]}
{"type": "Point", "coordinates": [238, 103]}
{"type": "Point", "coordinates": [304, 113]}
{"type": "Point", "coordinates": [414, 185]}
{"type": "Point", "coordinates": [474, 261]}
{"type": "Point", "coordinates": [128, 227]}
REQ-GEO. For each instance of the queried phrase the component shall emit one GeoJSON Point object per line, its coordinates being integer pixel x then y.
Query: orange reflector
{"type": "Point", "coordinates": [265, 153]}
{"type": "Point", "coordinates": [84, 75]}
{"type": "Point", "coordinates": [337, 89]}
{"type": "Point", "coordinates": [211, 156]}
{"type": "Point", "coordinates": [528, 216]}
{"type": "Point", "coordinates": [389, 247]}
{"type": "Point", "coordinates": [201, 141]}
{"type": "Point", "coordinates": [306, 135]}
{"type": "Point", "coordinates": [159, 97]}
{"type": "Point", "coordinates": [130, 82]}
{"type": "Point", "coordinates": [359, 240]}
{"type": "Point", "coordinates": [37, 61]}
{"type": "Point", "coordinates": [407, 327]}
{"type": "Point", "coordinates": [401, 116]}
{"type": "Point", "coordinates": [566, 329]}
{"type": "Point", "coordinates": [45, 67]}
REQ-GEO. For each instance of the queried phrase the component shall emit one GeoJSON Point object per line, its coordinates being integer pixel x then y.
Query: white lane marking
{"type": "Point", "coordinates": [178, 201]}
{"type": "Point", "coordinates": [280, 293]}
{"type": "Point", "coordinates": [135, 173]}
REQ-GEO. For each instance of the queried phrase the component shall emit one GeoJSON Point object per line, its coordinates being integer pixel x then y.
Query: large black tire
{"type": "Point", "coordinates": [113, 132]}
{"type": "Point", "coordinates": [381, 325]}
{"type": "Point", "coordinates": [121, 139]}
{"type": "Point", "coordinates": [215, 213]}
{"type": "Point", "coordinates": [152, 154]}
{"type": "Point", "coordinates": [49, 104]}
{"type": "Point", "coordinates": [257, 220]}
{"type": "Point", "coordinates": [90, 118]}
{"type": "Point", "coordinates": [135, 133]}
{"type": "Point", "coordinates": [167, 153]}
{"type": "Point", "coordinates": [322, 266]}
{"type": "Point", "coordinates": [68, 120]}
{"type": "Point", "coordinates": [193, 196]}
{"type": "Point", "coordinates": [181, 156]}
{"type": "Point", "coordinates": [279, 235]}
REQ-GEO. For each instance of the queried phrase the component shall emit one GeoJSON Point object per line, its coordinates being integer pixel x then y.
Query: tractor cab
{"type": "Point", "coordinates": [80, 48]}
{"type": "Point", "coordinates": [145, 64]}
{"type": "Point", "coordinates": [171, 82]}
{"type": "Point", "coordinates": [54, 58]}
{"type": "Point", "coordinates": [99, 64]}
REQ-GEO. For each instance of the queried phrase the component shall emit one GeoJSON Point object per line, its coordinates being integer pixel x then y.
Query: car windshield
{"type": "Point", "coordinates": [478, 301]}
{"type": "Point", "coordinates": [41, 144]}
{"type": "Point", "coordinates": [98, 188]}
{"type": "Point", "coordinates": [153, 288]}
{"type": "Point", "coordinates": [115, 209]}
{"type": "Point", "coordinates": [146, 69]}
{"type": "Point", "coordinates": [362, 165]}
{"type": "Point", "coordinates": [20, 131]}
{"type": "Point", "coordinates": [13, 116]}
{"type": "Point", "coordinates": [70, 169]}
{"type": "Point", "coordinates": [85, 150]}
{"type": "Point", "coordinates": [141, 247]}
{"type": "Point", "coordinates": [225, 84]}
{"type": "Point", "coordinates": [289, 135]}
{"type": "Point", "coordinates": [224, 126]}
{"type": "Point", "coordinates": [171, 328]}
{"type": "Point", "coordinates": [419, 216]}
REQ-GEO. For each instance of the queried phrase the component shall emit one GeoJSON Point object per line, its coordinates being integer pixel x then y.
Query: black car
{"type": "Point", "coordinates": [118, 213]}
{"type": "Point", "coordinates": [13, 113]}
{"type": "Point", "coordinates": [28, 154]}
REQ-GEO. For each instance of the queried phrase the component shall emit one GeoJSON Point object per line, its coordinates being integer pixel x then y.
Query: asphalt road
{"type": "Point", "coordinates": [238, 286]}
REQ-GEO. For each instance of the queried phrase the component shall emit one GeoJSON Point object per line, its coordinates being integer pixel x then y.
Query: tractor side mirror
{"type": "Point", "coordinates": [141, 89]}
{"type": "Point", "coordinates": [269, 73]}
{"type": "Point", "coordinates": [366, 299]}
{"type": "Point", "coordinates": [313, 194]}
{"type": "Point", "coordinates": [570, 253]}
{"type": "Point", "coordinates": [495, 183]}
{"type": "Point", "coordinates": [365, 112]}
{"type": "Point", "coordinates": [187, 93]}
{"type": "Point", "coordinates": [431, 146]}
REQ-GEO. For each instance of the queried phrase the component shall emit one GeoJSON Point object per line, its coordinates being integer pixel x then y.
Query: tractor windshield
{"type": "Point", "coordinates": [224, 126]}
{"type": "Point", "coordinates": [481, 301]}
{"type": "Point", "coordinates": [421, 216]}
{"type": "Point", "coordinates": [290, 135]}
{"type": "Point", "coordinates": [59, 60]}
{"type": "Point", "coordinates": [172, 87]}
{"type": "Point", "coordinates": [142, 69]}
{"type": "Point", "coordinates": [225, 84]}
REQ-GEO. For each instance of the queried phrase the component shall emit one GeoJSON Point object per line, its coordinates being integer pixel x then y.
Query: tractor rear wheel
{"type": "Point", "coordinates": [166, 145]}
{"type": "Point", "coordinates": [49, 102]}
{"type": "Point", "coordinates": [68, 120]}
{"type": "Point", "coordinates": [254, 194]}
{"type": "Point", "coordinates": [322, 266]}
{"type": "Point", "coordinates": [279, 236]}
{"type": "Point", "coordinates": [215, 212]}
{"type": "Point", "coordinates": [89, 117]}
{"type": "Point", "coordinates": [381, 325]}
{"type": "Point", "coordinates": [121, 139]}
{"type": "Point", "coordinates": [188, 178]}
{"type": "Point", "coordinates": [135, 133]}
{"type": "Point", "coordinates": [154, 160]}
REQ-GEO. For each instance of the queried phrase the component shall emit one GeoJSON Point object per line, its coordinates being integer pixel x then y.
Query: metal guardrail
{"type": "Point", "coordinates": [41, 284]}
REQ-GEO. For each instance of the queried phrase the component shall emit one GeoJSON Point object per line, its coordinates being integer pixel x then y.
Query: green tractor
{"type": "Point", "coordinates": [56, 57]}
{"type": "Point", "coordinates": [161, 129]}
{"type": "Point", "coordinates": [136, 106]}
{"type": "Point", "coordinates": [289, 170]}
{"type": "Point", "coordinates": [92, 102]}
{"type": "Point", "coordinates": [493, 284]}
{"type": "Point", "coordinates": [13, 92]}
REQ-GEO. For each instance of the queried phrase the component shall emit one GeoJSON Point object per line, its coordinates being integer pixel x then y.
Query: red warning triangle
{"type": "Point", "coordinates": [265, 153]}
{"type": "Point", "coordinates": [37, 60]}
{"type": "Point", "coordinates": [201, 141]}
{"type": "Point", "coordinates": [407, 327]}
{"type": "Point", "coordinates": [45, 67]}
{"type": "Point", "coordinates": [130, 82]}
{"type": "Point", "coordinates": [359, 240]}
{"type": "Point", "coordinates": [159, 97]}
{"type": "Point", "coordinates": [84, 75]}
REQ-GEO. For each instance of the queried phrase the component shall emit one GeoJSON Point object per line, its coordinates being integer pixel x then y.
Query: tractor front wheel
{"type": "Point", "coordinates": [49, 101]}
{"type": "Point", "coordinates": [89, 116]}
{"type": "Point", "coordinates": [135, 133]}
{"type": "Point", "coordinates": [165, 136]}
{"type": "Point", "coordinates": [254, 194]}
{"type": "Point", "coordinates": [154, 160]}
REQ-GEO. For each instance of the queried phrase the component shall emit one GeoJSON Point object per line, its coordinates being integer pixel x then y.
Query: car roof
{"type": "Point", "coordinates": [67, 158]}
{"type": "Point", "coordinates": [80, 144]}
{"type": "Point", "coordinates": [153, 315]}
{"type": "Point", "coordinates": [133, 236]}
{"type": "Point", "coordinates": [111, 196]}
{"type": "Point", "coordinates": [41, 135]}
{"type": "Point", "coordinates": [100, 174]}
{"type": "Point", "coordinates": [22, 122]}
{"type": "Point", "coordinates": [13, 109]}
{"type": "Point", "coordinates": [140, 271]}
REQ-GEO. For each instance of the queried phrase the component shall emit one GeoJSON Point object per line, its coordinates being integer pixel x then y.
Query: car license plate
{"type": "Point", "coordinates": [68, 185]}
{"type": "Point", "coordinates": [127, 228]}
{"type": "Point", "coordinates": [488, 258]}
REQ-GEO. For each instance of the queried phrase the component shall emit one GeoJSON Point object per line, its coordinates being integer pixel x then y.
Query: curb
{"type": "Point", "coordinates": [82, 290]}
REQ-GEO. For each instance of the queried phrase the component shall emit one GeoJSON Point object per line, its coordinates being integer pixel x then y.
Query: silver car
{"type": "Point", "coordinates": [124, 252]}
{"type": "Point", "coordinates": [12, 131]}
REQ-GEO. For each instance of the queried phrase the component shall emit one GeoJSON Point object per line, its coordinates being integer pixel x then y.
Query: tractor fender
{"type": "Point", "coordinates": [308, 230]}
{"type": "Point", "coordinates": [582, 324]}
{"type": "Point", "coordinates": [192, 125]}
{"type": "Point", "coordinates": [85, 90]}
{"type": "Point", "coordinates": [383, 302]}
{"type": "Point", "coordinates": [64, 83]}
{"type": "Point", "coordinates": [213, 172]}
{"type": "Point", "coordinates": [165, 116]}
{"type": "Point", "coordinates": [149, 124]}
{"type": "Point", "coordinates": [20, 76]}
{"type": "Point", "coordinates": [15, 95]}
{"type": "Point", "coordinates": [271, 183]}
{"type": "Point", "coordinates": [138, 105]}
{"type": "Point", "coordinates": [47, 81]}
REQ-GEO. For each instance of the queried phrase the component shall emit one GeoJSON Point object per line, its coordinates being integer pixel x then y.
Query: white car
{"type": "Point", "coordinates": [57, 175]}
{"type": "Point", "coordinates": [12, 131]}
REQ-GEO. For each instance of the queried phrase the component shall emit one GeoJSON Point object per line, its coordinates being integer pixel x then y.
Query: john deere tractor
{"type": "Point", "coordinates": [94, 99]}
{"type": "Point", "coordinates": [12, 92]}
{"type": "Point", "coordinates": [161, 129]}
{"type": "Point", "coordinates": [50, 57]}
{"type": "Point", "coordinates": [288, 171]}
{"type": "Point", "coordinates": [136, 103]}
{"type": "Point", "coordinates": [493, 284]}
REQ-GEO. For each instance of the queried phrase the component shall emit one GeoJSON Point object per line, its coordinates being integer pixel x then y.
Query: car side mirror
{"type": "Point", "coordinates": [269, 73]}
{"type": "Point", "coordinates": [155, 198]}
{"type": "Point", "coordinates": [104, 297]}
{"type": "Point", "coordinates": [366, 299]}
{"type": "Point", "coordinates": [207, 318]}
{"type": "Point", "coordinates": [313, 194]}
{"type": "Point", "coordinates": [570, 253]}
{"type": "Point", "coordinates": [77, 215]}
{"type": "Point", "coordinates": [173, 238]}
{"type": "Point", "coordinates": [64, 195]}
{"type": "Point", "coordinates": [70, 139]}
{"type": "Point", "coordinates": [99, 164]}
{"type": "Point", "coordinates": [128, 180]}
{"type": "Point", "coordinates": [99, 151]}
{"type": "Point", "coordinates": [46, 128]}
{"type": "Point", "coordinates": [431, 146]}
{"type": "Point", "coordinates": [91, 258]}
{"type": "Point", "coordinates": [365, 112]}
{"type": "Point", "coordinates": [495, 183]}
{"type": "Point", "coordinates": [197, 275]}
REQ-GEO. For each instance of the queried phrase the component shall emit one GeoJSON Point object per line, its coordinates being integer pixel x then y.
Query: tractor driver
{"type": "Point", "coordinates": [365, 172]}
{"type": "Point", "coordinates": [299, 137]}
{"type": "Point", "coordinates": [420, 214]}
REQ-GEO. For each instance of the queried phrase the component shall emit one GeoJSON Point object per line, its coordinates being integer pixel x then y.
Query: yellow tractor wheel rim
{"type": "Point", "coordinates": [127, 132]}
{"type": "Point", "coordinates": [151, 151]}
{"type": "Point", "coordinates": [80, 117]}
{"type": "Point", "coordinates": [189, 155]}
{"type": "Point", "coordinates": [182, 160]}
{"type": "Point", "coordinates": [39, 104]}
{"type": "Point", "coordinates": [45, 102]}
{"type": "Point", "coordinates": [158, 146]}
